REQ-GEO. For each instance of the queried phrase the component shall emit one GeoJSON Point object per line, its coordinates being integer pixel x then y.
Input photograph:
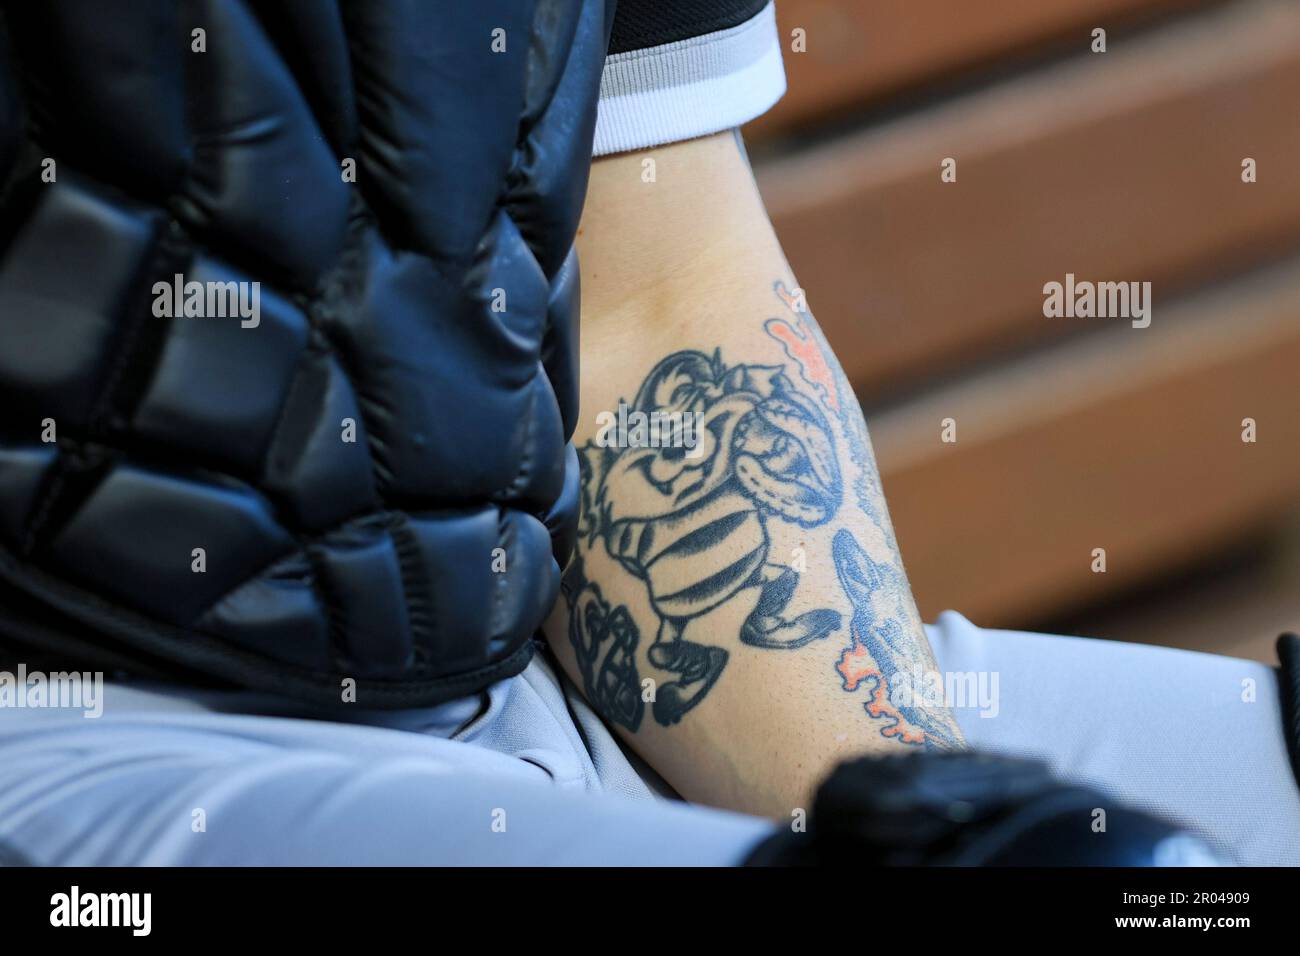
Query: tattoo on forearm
{"type": "Point", "coordinates": [804, 343]}
{"type": "Point", "coordinates": [883, 646]}
{"type": "Point", "coordinates": [694, 527]}
{"type": "Point", "coordinates": [605, 640]}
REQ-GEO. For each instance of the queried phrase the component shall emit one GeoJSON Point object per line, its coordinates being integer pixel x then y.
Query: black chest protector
{"type": "Point", "coordinates": [289, 336]}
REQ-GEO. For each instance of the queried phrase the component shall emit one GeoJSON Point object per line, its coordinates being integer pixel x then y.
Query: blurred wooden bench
{"type": "Point", "coordinates": [1072, 433]}
{"type": "Point", "coordinates": [861, 53]}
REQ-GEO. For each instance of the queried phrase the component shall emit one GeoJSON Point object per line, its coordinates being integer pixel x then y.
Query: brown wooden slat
{"type": "Point", "coordinates": [1121, 166]}
{"type": "Point", "coordinates": [1129, 440]}
{"type": "Point", "coordinates": [859, 52]}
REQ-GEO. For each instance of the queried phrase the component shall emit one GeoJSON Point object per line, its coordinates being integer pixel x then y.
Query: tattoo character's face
{"type": "Point", "coordinates": [753, 427]}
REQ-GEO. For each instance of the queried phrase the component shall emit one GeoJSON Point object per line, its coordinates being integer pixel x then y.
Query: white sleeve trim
{"type": "Point", "coordinates": [690, 88]}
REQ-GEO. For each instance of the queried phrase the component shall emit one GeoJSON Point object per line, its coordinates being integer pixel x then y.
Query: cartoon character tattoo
{"type": "Point", "coordinates": [693, 527]}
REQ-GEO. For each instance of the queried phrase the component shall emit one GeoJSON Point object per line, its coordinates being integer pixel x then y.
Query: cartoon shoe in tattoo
{"type": "Point", "coordinates": [691, 522]}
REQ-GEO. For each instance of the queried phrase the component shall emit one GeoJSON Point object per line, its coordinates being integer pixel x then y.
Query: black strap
{"type": "Point", "coordinates": [42, 638]}
{"type": "Point", "coordinates": [646, 23]}
{"type": "Point", "coordinates": [1288, 680]}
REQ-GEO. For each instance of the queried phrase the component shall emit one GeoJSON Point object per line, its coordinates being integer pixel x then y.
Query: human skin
{"type": "Point", "coordinates": [736, 608]}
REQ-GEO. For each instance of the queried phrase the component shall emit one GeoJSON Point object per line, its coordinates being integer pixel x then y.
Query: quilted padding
{"type": "Point", "coordinates": [366, 474]}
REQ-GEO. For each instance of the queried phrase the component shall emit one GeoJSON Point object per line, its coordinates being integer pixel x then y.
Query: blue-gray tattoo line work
{"type": "Point", "coordinates": [882, 647]}
{"type": "Point", "coordinates": [694, 529]}
{"type": "Point", "coordinates": [805, 345]}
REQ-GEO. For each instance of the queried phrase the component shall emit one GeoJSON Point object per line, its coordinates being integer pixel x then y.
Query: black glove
{"type": "Point", "coordinates": [969, 809]}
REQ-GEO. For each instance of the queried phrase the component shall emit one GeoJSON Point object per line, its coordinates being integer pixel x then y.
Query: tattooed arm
{"type": "Point", "coordinates": [737, 607]}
